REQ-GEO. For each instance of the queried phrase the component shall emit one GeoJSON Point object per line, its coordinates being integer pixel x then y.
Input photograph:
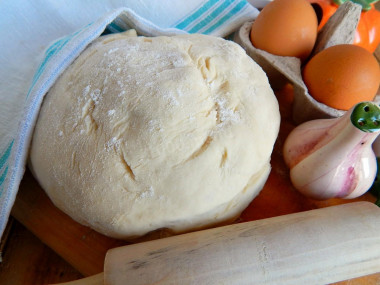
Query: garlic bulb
{"type": "Point", "coordinates": [333, 157]}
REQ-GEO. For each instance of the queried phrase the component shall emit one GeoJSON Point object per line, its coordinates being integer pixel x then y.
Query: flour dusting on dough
{"type": "Point", "coordinates": [164, 132]}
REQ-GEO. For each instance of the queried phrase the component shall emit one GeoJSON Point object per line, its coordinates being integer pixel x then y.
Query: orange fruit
{"type": "Point", "coordinates": [342, 76]}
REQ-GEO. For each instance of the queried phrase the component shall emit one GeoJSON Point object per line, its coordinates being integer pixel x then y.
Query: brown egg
{"type": "Point", "coordinates": [342, 76]}
{"type": "Point", "coordinates": [286, 28]}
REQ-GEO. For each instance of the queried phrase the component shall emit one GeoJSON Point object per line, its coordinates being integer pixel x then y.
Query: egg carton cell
{"type": "Point", "coordinates": [340, 29]}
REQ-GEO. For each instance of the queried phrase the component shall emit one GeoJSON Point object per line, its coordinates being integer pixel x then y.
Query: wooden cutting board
{"type": "Point", "coordinates": [85, 249]}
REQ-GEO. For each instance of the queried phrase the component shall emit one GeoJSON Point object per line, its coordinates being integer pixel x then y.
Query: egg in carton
{"type": "Point", "coordinates": [340, 29]}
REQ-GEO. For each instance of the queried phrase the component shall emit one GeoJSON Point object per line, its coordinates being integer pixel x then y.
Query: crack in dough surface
{"type": "Point", "coordinates": [146, 133]}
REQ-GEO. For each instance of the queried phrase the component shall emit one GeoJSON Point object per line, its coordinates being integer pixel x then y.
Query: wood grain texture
{"type": "Point", "coordinates": [85, 249]}
{"type": "Point", "coordinates": [97, 279]}
{"type": "Point", "coordinates": [312, 247]}
{"type": "Point", "coordinates": [27, 260]}
{"type": "Point", "coordinates": [80, 246]}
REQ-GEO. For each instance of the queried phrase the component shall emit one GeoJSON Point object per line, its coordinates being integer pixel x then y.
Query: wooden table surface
{"type": "Point", "coordinates": [26, 260]}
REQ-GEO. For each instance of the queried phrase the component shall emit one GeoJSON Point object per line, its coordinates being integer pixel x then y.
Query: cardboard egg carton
{"type": "Point", "coordinates": [340, 29]}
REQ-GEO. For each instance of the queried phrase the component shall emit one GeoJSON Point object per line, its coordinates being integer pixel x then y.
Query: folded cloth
{"type": "Point", "coordinates": [27, 28]}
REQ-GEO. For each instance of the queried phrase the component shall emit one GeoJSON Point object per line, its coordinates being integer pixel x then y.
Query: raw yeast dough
{"type": "Point", "coordinates": [140, 134]}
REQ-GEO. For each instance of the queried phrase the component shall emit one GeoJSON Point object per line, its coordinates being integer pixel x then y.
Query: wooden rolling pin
{"type": "Point", "coordinates": [313, 247]}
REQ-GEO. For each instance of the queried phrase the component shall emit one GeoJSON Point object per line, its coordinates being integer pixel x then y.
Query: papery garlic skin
{"type": "Point", "coordinates": [331, 158]}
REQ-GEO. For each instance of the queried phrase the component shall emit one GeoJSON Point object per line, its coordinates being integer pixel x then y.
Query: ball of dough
{"type": "Point", "coordinates": [140, 134]}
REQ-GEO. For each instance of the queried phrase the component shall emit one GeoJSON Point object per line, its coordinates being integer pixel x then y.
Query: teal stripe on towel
{"type": "Point", "coordinates": [4, 157]}
{"type": "Point", "coordinates": [2, 177]}
{"type": "Point", "coordinates": [213, 14]}
{"type": "Point", "coordinates": [52, 50]}
{"type": "Point", "coordinates": [114, 28]}
{"type": "Point", "coordinates": [187, 21]}
{"type": "Point", "coordinates": [226, 17]}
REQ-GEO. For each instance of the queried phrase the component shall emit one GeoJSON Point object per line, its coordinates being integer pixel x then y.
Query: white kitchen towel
{"type": "Point", "coordinates": [32, 57]}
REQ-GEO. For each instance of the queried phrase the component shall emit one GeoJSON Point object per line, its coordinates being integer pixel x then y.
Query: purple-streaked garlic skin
{"type": "Point", "coordinates": [331, 158]}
